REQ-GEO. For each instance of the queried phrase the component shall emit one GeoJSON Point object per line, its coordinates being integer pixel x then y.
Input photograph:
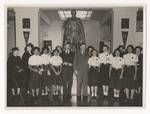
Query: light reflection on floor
{"type": "Point", "coordinates": [91, 102]}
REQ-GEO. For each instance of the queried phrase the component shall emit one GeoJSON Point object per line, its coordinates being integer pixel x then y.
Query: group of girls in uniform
{"type": "Point", "coordinates": [40, 72]}
{"type": "Point", "coordinates": [121, 70]}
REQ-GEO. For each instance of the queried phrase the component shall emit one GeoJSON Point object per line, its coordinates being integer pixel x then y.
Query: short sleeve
{"type": "Point", "coordinates": [30, 61]}
{"type": "Point", "coordinates": [136, 58]}
{"type": "Point", "coordinates": [40, 60]}
{"type": "Point", "coordinates": [61, 61]}
{"type": "Point", "coordinates": [100, 58]}
{"type": "Point", "coordinates": [122, 61]}
{"type": "Point", "coordinates": [110, 59]}
{"type": "Point", "coordinates": [50, 60]}
{"type": "Point", "coordinates": [89, 61]}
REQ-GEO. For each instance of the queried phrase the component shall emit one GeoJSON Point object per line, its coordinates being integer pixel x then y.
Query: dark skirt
{"type": "Point", "coordinates": [129, 72]}
{"type": "Point", "coordinates": [35, 80]}
{"type": "Point", "coordinates": [26, 75]}
{"type": "Point", "coordinates": [139, 78]}
{"type": "Point", "coordinates": [56, 79]}
{"type": "Point", "coordinates": [93, 76]}
{"type": "Point", "coordinates": [15, 80]}
{"type": "Point", "coordinates": [104, 74]}
{"type": "Point", "coordinates": [115, 81]}
{"type": "Point", "coordinates": [46, 79]}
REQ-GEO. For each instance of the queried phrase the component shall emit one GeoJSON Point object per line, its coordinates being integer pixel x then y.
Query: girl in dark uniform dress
{"type": "Point", "coordinates": [46, 75]}
{"type": "Point", "coordinates": [25, 59]}
{"type": "Point", "coordinates": [116, 73]}
{"type": "Point", "coordinates": [104, 69]}
{"type": "Point", "coordinates": [56, 66]}
{"type": "Point", "coordinates": [35, 66]}
{"type": "Point", "coordinates": [93, 62]}
{"type": "Point", "coordinates": [130, 71]}
{"type": "Point", "coordinates": [138, 51]}
{"type": "Point", "coordinates": [14, 68]}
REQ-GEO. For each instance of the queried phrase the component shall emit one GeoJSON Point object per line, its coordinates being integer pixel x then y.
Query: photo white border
{"type": "Point", "coordinates": [145, 44]}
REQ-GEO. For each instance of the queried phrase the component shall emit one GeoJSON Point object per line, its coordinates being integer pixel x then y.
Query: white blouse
{"type": "Point", "coordinates": [130, 59]}
{"type": "Point", "coordinates": [117, 62]}
{"type": "Point", "coordinates": [93, 61]}
{"type": "Point", "coordinates": [56, 60]}
{"type": "Point", "coordinates": [45, 59]}
{"type": "Point", "coordinates": [105, 58]}
{"type": "Point", "coordinates": [35, 60]}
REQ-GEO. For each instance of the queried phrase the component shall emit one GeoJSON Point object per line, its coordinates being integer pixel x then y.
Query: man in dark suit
{"type": "Point", "coordinates": [68, 57]}
{"type": "Point", "coordinates": [81, 71]}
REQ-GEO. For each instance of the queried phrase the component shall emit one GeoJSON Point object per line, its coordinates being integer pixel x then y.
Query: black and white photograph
{"type": "Point", "coordinates": [75, 57]}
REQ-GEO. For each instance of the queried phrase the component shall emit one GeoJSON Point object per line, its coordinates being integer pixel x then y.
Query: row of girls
{"type": "Point", "coordinates": [41, 71]}
{"type": "Point", "coordinates": [121, 70]}
{"type": "Point", "coordinates": [36, 71]}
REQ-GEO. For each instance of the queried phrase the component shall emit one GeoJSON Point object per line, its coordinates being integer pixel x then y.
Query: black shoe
{"type": "Point", "coordinates": [85, 98]}
{"type": "Point", "coordinates": [116, 99]}
{"type": "Point", "coordinates": [65, 98]}
{"type": "Point", "coordinates": [78, 98]}
{"type": "Point", "coordinates": [105, 97]}
{"type": "Point", "coordinates": [69, 96]}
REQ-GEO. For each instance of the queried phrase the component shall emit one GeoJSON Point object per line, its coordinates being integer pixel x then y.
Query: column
{"type": "Point", "coordinates": [118, 14]}
{"type": "Point", "coordinates": [33, 15]}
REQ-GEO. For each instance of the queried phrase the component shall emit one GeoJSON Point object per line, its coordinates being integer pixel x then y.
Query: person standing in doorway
{"type": "Point", "coordinates": [81, 70]}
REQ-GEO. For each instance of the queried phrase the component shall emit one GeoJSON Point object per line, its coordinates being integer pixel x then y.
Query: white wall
{"type": "Point", "coordinates": [92, 33]}
{"type": "Point", "coordinates": [134, 38]}
{"type": "Point", "coordinates": [55, 33]}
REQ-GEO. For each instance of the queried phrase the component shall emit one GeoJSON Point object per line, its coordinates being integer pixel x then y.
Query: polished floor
{"type": "Point", "coordinates": [57, 101]}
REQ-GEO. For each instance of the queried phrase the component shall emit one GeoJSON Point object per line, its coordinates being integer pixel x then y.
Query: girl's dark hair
{"type": "Point", "coordinates": [35, 48]}
{"type": "Point", "coordinates": [94, 50]}
{"type": "Point", "coordinates": [58, 47]}
{"type": "Point", "coordinates": [82, 44]}
{"type": "Point", "coordinates": [15, 49]}
{"type": "Point", "coordinates": [67, 43]}
{"type": "Point", "coordinates": [106, 46]}
{"type": "Point", "coordinates": [29, 44]}
{"type": "Point", "coordinates": [128, 47]}
{"type": "Point", "coordinates": [121, 46]}
{"type": "Point", "coordinates": [55, 50]}
{"type": "Point", "coordinates": [116, 51]}
{"type": "Point", "coordinates": [138, 47]}
{"type": "Point", "coordinates": [90, 47]}
{"type": "Point", "coordinates": [44, 49]}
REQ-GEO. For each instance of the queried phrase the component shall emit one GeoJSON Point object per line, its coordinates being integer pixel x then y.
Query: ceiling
{"type": "Point", "coordinates": [97, 14]}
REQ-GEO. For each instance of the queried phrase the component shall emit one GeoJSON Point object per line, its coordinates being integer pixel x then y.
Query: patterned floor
{"type": "Point", "coordinates": [57, 101]}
